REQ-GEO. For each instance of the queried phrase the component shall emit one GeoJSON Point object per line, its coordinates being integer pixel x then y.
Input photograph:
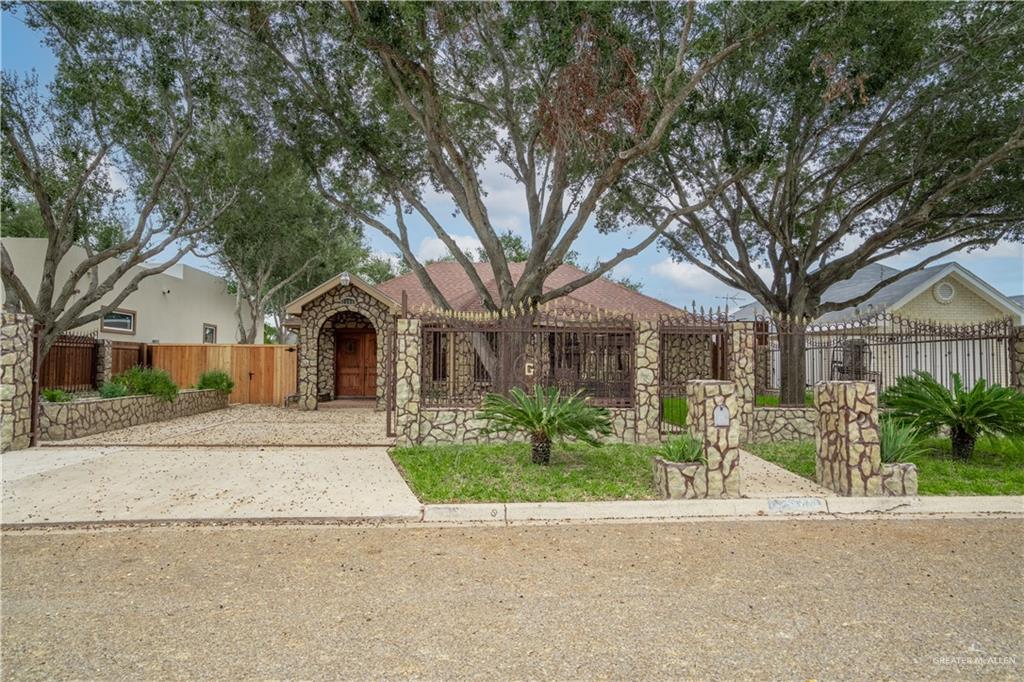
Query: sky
{"type": "Point", "coordinates": [680, 284]}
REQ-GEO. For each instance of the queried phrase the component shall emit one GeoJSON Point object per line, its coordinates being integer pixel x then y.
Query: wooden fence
{"type": "Point", "coordinates": [70, 364]}
{"type": "Point", "coordinates": [125, 355]}
{"type": "Point", "coordinates": [263, 375]}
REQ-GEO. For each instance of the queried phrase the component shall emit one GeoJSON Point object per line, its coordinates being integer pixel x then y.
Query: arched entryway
{"type": "Point", "coordinates": [355, 356]}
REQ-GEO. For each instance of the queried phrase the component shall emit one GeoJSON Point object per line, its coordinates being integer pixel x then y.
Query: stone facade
{"type": "Point", "coordinates": [782, 424]}
{"type": "Point", "coordinates": [16, 389]}
{"type": "Point", "coordinates": [680, 480]}
{"type": "Point", "coordinates": [721, 443]}
{"type": "Point", "coordinates": [61, 421]}
{"type": "Point", "coordinates": [848, 445]}
{"type": "Point", "coordinates": [647, 400]}
{"type": "Point", "coordinates": [104, 361]}
{"type": "Point", "coordinates": [407, 382]}
{"type": "Point", "coordinates": [320, 318]}
{"type": "Point", "coordinates": [899, 480]}
{"type": "Point", "coordinates": [741, 363]}
{"type": "Point", "coordinates": [687, 357]}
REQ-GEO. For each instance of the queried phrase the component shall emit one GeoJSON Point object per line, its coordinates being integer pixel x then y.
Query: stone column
{"type": "Point", "coordinates": [849, 453]}
{"type": "Point", "coordinates": [721, 443]}
{"type": "Point", "coordinates": [16, 388]}
{"type": "Point", "coordinates": [325, 360]}
{"type": "Point", "coordinates": [309, 347]}
{"type": "Point", "coordinates": [647, 394]}
{"type": "Point", "coordinates": [407, 381]}
{"type": "Point", "coordinates": [104, 361]}
{"type": "Point", "coordinates": [741, 372]}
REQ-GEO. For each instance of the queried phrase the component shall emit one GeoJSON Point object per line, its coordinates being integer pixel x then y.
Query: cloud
{"type": "Point", "coordinates": [687, 276]}
{"type": "Point", "coordinates": [432, 248]}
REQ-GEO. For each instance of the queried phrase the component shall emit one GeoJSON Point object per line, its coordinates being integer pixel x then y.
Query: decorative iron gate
{"type": "Point", "coordinates": [692, 345]}
{"type": "Point", "coordinates": [467, 355]}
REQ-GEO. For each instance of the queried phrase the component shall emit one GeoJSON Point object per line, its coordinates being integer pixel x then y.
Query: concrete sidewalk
{"type": "Point", "coordinates": [137, 484]}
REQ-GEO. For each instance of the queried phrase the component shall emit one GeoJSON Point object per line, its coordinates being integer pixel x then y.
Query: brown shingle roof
{"type": "Point", "coordinates": [455, 285]}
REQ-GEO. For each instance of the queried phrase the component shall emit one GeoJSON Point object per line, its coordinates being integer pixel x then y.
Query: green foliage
{"type": "Point", "coordinates": [922, 402]}
{"type": "Point", "coordinates": [112, 389]}
{"type": "Point", "coordinates": [900, 442]}
{"type": "Point", "coordinates": [684, 448]}
{"type": "Point", "coordinates": [773, 400]}
{"type": "Point", "coordinates": [56, 395]}
{"type": "Point", "coordinates": [674, 411]}
{"type": "Point", "coordinates": [147, 381]}
{"type": "Point", "coordinates": [216, 379]}
{"type": "Point", "coordinates": [545, 416]}
{"type": "Point", "coordinates": [504, 472]}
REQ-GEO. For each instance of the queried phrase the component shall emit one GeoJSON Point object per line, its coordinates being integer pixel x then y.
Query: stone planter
{"type": "Point", "coordinates": [899, 479]}
{"type": "Point", "coordinates": [680, 480]}
{"type": "Point", "coordinates": [62, 421]}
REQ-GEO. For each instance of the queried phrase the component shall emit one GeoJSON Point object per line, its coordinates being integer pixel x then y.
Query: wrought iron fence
{"type": "Point", "coordinates": [881, 348]}
{"type": "Point", "coordinates": [692, 345]}
{"type": "Point", "coordinates": [465, 356]}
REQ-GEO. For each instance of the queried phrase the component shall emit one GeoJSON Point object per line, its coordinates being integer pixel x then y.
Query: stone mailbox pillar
{"type": "Point", "coordinates": [714, 417]}
{"type": "Point", "coordinates": [849, 453]}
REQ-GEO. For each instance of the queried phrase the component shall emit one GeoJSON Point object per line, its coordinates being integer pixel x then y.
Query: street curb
{"type": "Point", "coordinates": [524, 512]}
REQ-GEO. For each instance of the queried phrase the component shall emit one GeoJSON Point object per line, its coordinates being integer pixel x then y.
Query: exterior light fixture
{"type": "Point", "coordinates": [345, 279]}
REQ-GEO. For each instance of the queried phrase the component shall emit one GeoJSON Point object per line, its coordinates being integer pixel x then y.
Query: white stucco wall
{"type": "Point", "coordinates": [195, 297]}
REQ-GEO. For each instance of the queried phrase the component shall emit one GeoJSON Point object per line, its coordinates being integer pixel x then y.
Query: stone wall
{"type": "Point", "coordinates": [316, 340]}
{"type": "Point", "coordinates": [680, 480]}
{"type": "Point", "coordinates": [407, 382]}
{"type": "Point", "coordinates": [721, 443]}
{"type": "Point", "coordinates": [461, 425]}
{"type": "Point", "coordinates": [16, 389]}
{"type": "Point", "coordinates": [848, 446]}
{"type": "Point", "coordinates": [687, 357]}
{"type": "Point", "coordinates": [62, 421]}
{"type": "Point", "coordinates": [899, 480]}
{"type": "Point", "coordinates": [782, 424]}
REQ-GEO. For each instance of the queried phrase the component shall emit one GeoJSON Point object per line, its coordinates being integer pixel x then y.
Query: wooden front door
{"type": "Point", "coordinates": [355, 371]}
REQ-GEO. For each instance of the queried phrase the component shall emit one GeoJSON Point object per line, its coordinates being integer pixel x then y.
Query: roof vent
{"type": "Point", "coordinates": [944, 292]}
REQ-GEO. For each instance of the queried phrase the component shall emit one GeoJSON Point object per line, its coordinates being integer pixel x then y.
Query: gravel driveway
{"type": "Point", "coordinates": [858, 600]}
{"type": "Point", "coordinates": [255, 425]}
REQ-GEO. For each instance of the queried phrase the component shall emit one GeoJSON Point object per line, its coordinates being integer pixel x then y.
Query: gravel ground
{"type": "Point", "coordinates": [916, 600]}
{"type": "Point", "coordinates": [255, 425]}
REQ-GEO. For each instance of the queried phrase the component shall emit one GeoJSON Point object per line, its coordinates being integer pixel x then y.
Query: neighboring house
{"type": "Point", "coordinates": [948, 293]}
{"type": "Point", "coordinates": [181, 305]}
{"type": "Point", "coordinates": [343, 323]}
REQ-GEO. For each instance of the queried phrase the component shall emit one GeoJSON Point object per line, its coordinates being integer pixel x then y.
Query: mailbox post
{"type": "Point", "coordinates": [712, 418]}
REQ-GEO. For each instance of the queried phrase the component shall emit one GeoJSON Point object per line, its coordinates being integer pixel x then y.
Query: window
{"type": "Point", "coordinates": [119, 322]}
{"type": "Point", "coordinates": [439, 356]}
{"type": "Point", "coordinates": [209, 333]}
{"type": "Point", "coordinates": [944, 292]}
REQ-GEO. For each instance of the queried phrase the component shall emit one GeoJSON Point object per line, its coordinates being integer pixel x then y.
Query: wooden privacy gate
{"type": "Point", "coordinates": [263, 375]}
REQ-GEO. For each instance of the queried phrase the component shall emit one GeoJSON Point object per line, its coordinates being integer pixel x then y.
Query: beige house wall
{"type": "Point", "coordinates": [966, 307]}
{"type": "Point", "coordinates": [194, 297]}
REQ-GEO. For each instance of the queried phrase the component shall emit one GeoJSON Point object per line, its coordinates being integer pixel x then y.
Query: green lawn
{"type": "Point", "coordinates": [997, 467]}
{"type": "Point", "coordinates": [773, 400]}
{"type": "Point", "coordinates": [673, 410]}
{"type": "Point", "coordinates": [504, 473]}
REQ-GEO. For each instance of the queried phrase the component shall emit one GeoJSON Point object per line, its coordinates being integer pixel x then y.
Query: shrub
{"type": "Point", "coordinates": [685, 448]}
{"type": "Point", "coordinates": [146, 381]}
{"type": "Point", "coordinates": [216, 379]}
{"type": "Point", "coordinates": [545, 416]}
{"type": "Point", "coordinates": [56, 395]}
{"type": "Point", "coordinates": [986, 409]}
{"type": "Point", "coordinates": [113, 390]}
{"type": "Point", "coordinates": [901, 442]}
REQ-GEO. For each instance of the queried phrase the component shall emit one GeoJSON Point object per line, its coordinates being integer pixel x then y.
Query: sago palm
{"type": "Point", "coordinates": [985, 409]}
{"type": "Point", "coordinates": [545, 416]}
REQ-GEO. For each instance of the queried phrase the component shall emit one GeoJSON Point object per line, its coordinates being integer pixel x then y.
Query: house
{"type": "Point", "coordinates": [344, 323]}
{"type": "Point", "coordinates": [181, 305]}
{"type": "Point", "coordinates": [948, 293]}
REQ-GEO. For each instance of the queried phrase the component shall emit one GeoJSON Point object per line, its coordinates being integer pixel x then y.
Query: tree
{"type": "Point", "coordinates": [387, 100]}
{"type": "Point", "coordinates": [278, 231]}
{"type": "Point", "coordinates": [859, 134]}
{"type": "Point", "coordinates": [132, 97]}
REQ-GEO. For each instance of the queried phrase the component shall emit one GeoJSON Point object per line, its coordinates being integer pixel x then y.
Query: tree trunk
{"type": "Point", "coordinates": [540, 448]}
{"type": "Point", "coordinates": [792, 366]}
{"type": "Point", "coordinates": [963, 443]}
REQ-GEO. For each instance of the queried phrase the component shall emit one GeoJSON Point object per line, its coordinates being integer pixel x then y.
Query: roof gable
{"type": "Point", "coordinates": [341, 279]}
